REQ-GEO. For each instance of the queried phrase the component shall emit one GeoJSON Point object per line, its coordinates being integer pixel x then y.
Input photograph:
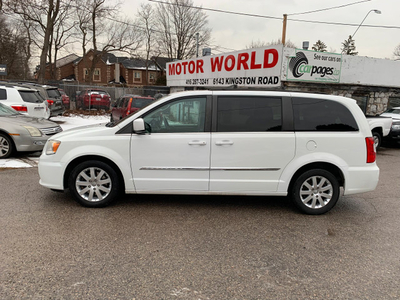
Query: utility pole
{"type": "Point", "coordinates": [284, 29]}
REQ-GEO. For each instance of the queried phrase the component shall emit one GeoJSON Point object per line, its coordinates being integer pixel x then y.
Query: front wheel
{"type": "Point", "coordinates": [315, 192]}
{"type": "Point", "coordinates": [94, 184]}
{"type": "Point", "coordinates": [6, 146]}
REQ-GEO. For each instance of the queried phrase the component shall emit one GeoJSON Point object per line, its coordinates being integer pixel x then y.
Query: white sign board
{"type": "Point", "coordinates": [259, 67]}
{"type": "Point", "coordinates": [314, 66]}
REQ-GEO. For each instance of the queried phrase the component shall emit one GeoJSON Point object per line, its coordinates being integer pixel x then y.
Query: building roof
{"type": "Point", "coordinates": [139, 63]}
{"type": "Point", "coordinates": [161, 61]}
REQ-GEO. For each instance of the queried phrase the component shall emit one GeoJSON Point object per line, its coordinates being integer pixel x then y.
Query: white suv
{"type": "Point", "coordinates": [24, 100]}
{"type": "Point", "coordinates": [222, 143]}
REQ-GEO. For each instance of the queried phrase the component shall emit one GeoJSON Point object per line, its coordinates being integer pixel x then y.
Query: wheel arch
{"type": "Point", "coordinates": [84, 158]}
{"type": "Point", "coordinates": [335, 170]}
{"type": "Point", "coordinates": [11, 138]}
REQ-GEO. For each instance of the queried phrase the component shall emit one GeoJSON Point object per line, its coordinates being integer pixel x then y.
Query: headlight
{"type": "Point", "coordinates": [396, 126]}
{"type": "Point", "coordinates": [33, 131]}
{"type": "Point", "coordinates": [52, 147]}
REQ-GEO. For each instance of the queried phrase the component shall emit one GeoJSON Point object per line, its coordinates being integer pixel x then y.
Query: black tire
{"type": "Point", "coordinates": [377, 139]}
{"type": "Point", "coordinates": [6, 146]}
{"type": "Point", "coordinates": [315, 192]}
{"type": "Point", "coordinates": [94, 184]}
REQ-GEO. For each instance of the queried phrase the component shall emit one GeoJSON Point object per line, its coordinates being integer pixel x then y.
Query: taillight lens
{"type": "Point", "coordinates": [51, 102]}
{"type": "Point", "coordinates": [20, 108]}
{"type": "Point", "coordinates": [371, 153]}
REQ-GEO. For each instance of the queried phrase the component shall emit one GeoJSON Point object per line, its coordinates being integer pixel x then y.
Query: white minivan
{"type": "Point", "coordinates": [301, 145]}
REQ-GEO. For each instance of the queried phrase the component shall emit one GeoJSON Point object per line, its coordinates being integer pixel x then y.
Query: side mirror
{"type": "Point", "coordinates": [138, 126]}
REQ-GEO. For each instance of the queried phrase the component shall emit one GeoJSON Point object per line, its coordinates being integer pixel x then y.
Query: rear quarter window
{"type": "Point", "coordinates": [322, 115]}
{"type": "Point", "coordinates": [53, 93]}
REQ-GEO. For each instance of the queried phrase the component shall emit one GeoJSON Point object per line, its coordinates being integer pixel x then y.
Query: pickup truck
{"type": "Point", "coordinates": [380, 127]}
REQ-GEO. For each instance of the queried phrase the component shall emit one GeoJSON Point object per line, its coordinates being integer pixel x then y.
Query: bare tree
{"type": "Point", "coordinates": [13, 45]}
{"type": "Point", "coordinates": [260, 44]}
{"type": "Point", "coordinates": [44, 14]}
{"type": "Point", "coordinates": [181, 28]}
{"type": "Point", "coordinates": [98, 28]}
{"type": "Point", "coordinates": [146, 19]}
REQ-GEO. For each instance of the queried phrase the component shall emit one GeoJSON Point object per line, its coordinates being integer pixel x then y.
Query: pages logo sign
{"type": "Point", "coordinates": [314, 66]}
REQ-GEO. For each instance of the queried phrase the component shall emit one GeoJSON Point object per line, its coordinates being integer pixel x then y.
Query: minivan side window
{"type": "Point", "coordinates": [322, 115]}
{"type": "Point", "coordinates": [3, 94]}
{"type": "Point", "coordinates": [183, 115]}
{"type": "Point", "coordinates": [241, 113]}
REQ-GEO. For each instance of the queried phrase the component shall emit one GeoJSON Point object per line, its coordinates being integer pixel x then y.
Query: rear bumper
{"type": "Point", "coordinates": [361, 179]}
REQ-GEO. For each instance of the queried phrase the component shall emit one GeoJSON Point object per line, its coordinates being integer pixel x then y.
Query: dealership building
{"type": "Point", "coordinates": [373, 82]}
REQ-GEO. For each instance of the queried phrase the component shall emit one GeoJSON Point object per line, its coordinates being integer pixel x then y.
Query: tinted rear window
{"type": "Point", "coordinates": [322, 115]}
{"type": "Point", "coordinates": [30, 96]}
{"type": "Point", "coordinates": [53, 93]}
{"type": "Point", "coordinates": [3, 94]}
{"type": "Point", "coordinates": [240, 113]}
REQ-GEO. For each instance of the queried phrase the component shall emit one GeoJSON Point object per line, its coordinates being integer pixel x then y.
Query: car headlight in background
{"type": "Point", "coordinates": [396, 126]}
{"type": "Point", "coordinates": [52, 146]}
{"type": "Point", "coordinates": [33, 131]}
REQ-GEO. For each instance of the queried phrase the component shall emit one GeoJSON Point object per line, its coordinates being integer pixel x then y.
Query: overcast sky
{"type": "Point", "coordinates": [236, 32]}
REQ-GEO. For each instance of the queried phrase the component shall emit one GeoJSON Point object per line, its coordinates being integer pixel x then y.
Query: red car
{"type": "Point", "coordinates": [127, 105]}
{"type": "Point", "coordinates": [64, 98]}
{"type": "Point", "coordinates": [93, 98]}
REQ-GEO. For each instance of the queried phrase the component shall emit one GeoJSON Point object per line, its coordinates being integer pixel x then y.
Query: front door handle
{"type": "Point", "coordinates": [224, 142]}
{"type": "Point", "coordinates": [196, 142]}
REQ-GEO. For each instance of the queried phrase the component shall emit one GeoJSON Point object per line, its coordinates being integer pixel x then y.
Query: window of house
{"type": "Point", "coordinates": [96, 75]}
{"type": "Point", "coordinates": [137, 76]}
{"type": "Point", "coordinates": [182, 115]}
{"type": "Point", "coordinates": [151, 77]}
{"type": "Point", "coordinates": [237, 114]}
{"type": "Point", "coordinates": [321, 115]}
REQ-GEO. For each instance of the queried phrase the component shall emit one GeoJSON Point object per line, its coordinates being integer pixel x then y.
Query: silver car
{"type": "Point", "coordinates": [22, 133]}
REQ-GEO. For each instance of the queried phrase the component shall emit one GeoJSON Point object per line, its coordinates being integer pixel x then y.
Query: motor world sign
{"type": "Point", "coordinates": [253, 67]}
{"type": "Point", "coordinates": [314, 66]}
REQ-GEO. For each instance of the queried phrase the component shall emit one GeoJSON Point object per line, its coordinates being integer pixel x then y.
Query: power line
{"type": "Point", "coordinates": [277, 18]}
{"type": "Point", "coordinates": [324, 9]}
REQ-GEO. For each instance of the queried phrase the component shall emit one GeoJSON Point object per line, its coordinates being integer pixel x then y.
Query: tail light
{"type": "Point", "coordinates": [51, 102]}
{"type": "Point", "coordinates": [20, 108]}
{"type": "Point", "coordinates": [371, 153]}
{"type": "Point", "coordinates": [129, 106]}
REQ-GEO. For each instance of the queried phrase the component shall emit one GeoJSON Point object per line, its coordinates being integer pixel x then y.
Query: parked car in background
{"type": "Point", "coordinates": [394, 113]}
{"type": "Point", "coordinates": [51, 94]}
{"type": "Point", "coordinates": [64, 98]}
{"type": "Point", "coordinates": [309, 147]}
{"type": "Point", "coordinates": [23, 133]}
{"type": "Point", "coordinates": [93, 98]}
{"type": "Point", "coordinates": [27, 101]}
{"type": "Point", "coordinates": [380, 127]}
{"type": "Point", "coordinates": [128, 104]}
{"type": "Point", "coordinates": [394, 134]}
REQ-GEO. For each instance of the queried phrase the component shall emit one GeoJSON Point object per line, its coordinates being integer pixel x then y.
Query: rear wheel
{"type": "Point", "coordinates": [315, 192]}
{"type": "Point", "coordinates": [94, 184]}
{"type": "Point", "coordinates": [6, 146]}
{"type": "Point", "coordinates": [377, 139]}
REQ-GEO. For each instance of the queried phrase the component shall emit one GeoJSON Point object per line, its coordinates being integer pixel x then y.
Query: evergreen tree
{"type": "Point", "coordinates": [348, 47]}
{"type": "Point", "coordinates": [319, 46]}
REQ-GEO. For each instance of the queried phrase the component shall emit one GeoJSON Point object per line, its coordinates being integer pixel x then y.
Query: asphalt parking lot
{"type": "Point", "coordinates": [197, 247]}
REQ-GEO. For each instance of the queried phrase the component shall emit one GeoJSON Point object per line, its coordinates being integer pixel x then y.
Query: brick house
{"type": "Point", "coordinates": [108, 69]}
